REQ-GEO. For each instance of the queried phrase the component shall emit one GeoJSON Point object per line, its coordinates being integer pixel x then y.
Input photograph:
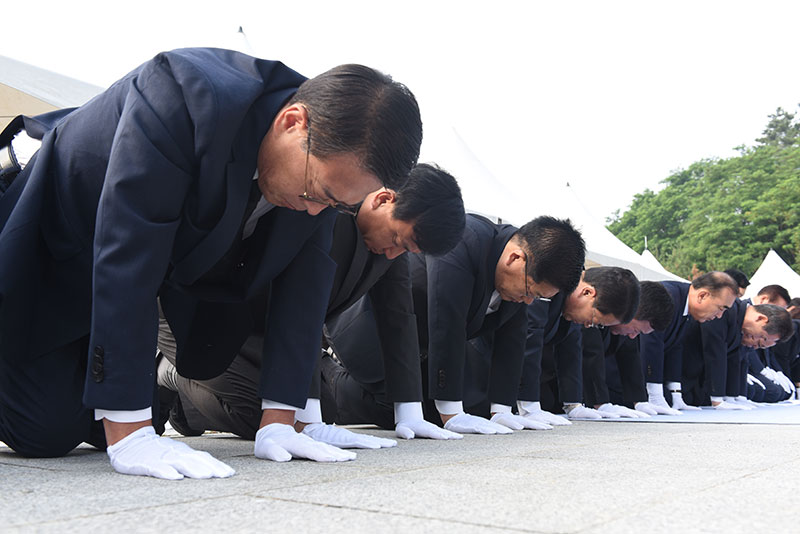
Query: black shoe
{"type": "Point", "coordinates": [178, 420]}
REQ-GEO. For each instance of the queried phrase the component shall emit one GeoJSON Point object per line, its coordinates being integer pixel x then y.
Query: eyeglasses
{"type": "Point", "coordinates": [593, 323]}
{"type": "Point", "coordinates": [525, 274]}
{"type": "Point", "coordinates": [347, 209]}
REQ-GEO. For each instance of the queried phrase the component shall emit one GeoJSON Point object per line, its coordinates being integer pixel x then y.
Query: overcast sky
{"type": "Point", "coordinates": [608, 96]}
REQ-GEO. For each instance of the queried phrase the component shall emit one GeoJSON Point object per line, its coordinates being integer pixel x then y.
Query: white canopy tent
{"type": "Point", "coordinates": [650, 261]}
{"type": "Point", "coordinates": [483, 193]}
{"type": "Point", "coordinates": [773, 270]}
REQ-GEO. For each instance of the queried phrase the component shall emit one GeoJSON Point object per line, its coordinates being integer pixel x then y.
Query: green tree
{"type": "Point", "coordinates": [722, 213]}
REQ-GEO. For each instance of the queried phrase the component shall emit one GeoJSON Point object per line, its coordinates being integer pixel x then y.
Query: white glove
{"type": "Point", "coordinates": [411, 424]}
{"type": "Point", "coordinates": [646, 407]}
{"type": "Point", "coordinates": [744, 401]}
{"type": "Point", "coordinates": [345, 439]}
{"type": "Point", "coordinates": [281, 443]}
{"type": "Point", "coordinates": [784, 382]}
{"type": "Point", "coordinates": [533, 410]}
{"type": "Point", "coordinates": [753, 381]}
{"type": "Point", "coordinates": [725, 405]}
{"type": "Point", "coordinates": [733, 401]}
{"type": "Point", "coordinates": [472, 424]}
{"type": "Point", "coordinates": [621, 411]}
{"type": "Point", "coordinates": [579, 411]}
{"type": "Point", "coordinates": [677, 403]}
{"type": "Point", "coordinates": [677, 397]}
{"type": "Point", "coordinates": [655, 397]}
{"type": "Point", "coordinates": [517, 422]}
{"type": "Point", "coordinates": [144, 453]}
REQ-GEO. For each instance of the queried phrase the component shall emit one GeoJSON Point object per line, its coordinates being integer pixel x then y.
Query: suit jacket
{"type": "Point", "coordinates": [376, 340]}
{"type": "Point", "coordinates": [600, 345]}
{"type": "Point", "coordinates": [663, 347]}
{"type": "Point", "coordinates": [548, 328]}
{"type": "Point", "coordinates": [451, 295]}
{"type": "Point", "coordinates": [146, 185]}
{"type": "Point", "coordinates": [718, 349]}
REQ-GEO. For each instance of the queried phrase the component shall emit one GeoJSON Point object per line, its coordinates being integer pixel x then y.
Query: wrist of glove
{"type": "Point", "coordinates": [345, 439]}
{"type": "Point", "coordinates": [646, 407]}
{"type": "Point", "coordinates": [533, 410]}
{"type": "Point", "coordinates": [280, 443]}
{"type": "Point", "coordinates": [410, 423]}
{"type": "Point", "coordinates": [472, 424]}
{"type": "Point", "coordinates": [517, 422]}
{"type": "Point", "coordinates": [144, 453]}
{"type": "Point", "coordinates": [579, 411]}
{"type": "Point", "coordinates": [679, 404]}
{"type": "Point", "coordinates": [621, 411]}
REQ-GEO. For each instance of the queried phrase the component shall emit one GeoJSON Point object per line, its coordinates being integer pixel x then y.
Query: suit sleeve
{"type": "Point", "coordinates": [397, 328]}
{"type": "Point", "coordinates": [651, 347]}
{"type": "Point", "coordinates": [629, 364]}
{"type": "Point", "coordinates": [536, 316]}
{"type": "Point", "coordinates": [507, 357]}
{"type": "Point", "coordinates": [298, 301]}
{"type": "Point", "coordinates": [449, 291]}
{"type": "Point", "coordinates": [595, 390]}
{"type": "Point", "coordinates": [149, 173]}
{"type": "Point", "coordinates": [715, 355]}
{"type": "Point", "coordinates": [568, 359]}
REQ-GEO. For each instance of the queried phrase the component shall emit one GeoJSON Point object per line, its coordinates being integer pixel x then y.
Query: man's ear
{"type": "Point", "coordinates": [514, 255]}
{"type": "Point", "coordinates": [589, 291]}
{"type": "Point", "coordinates": [383, 196]}
{"type": "Point", "coordinates": [293, 117]}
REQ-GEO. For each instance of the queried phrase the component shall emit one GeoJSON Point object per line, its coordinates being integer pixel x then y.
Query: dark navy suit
{"type": "Point", "coordinates": [612, 369]}
{"type": "Point", "coordinates": [451, 296]}
{"type": "Point", "coordinates": [138, 194]}
{"type": "Point", "coordinates": [661, 350]}
{"type": "Point", "coordinates": [552, 368]}
{"type": "Point", "coordinates": [372, 326]}
{"type": "Point", "coordinates": [712, 356]}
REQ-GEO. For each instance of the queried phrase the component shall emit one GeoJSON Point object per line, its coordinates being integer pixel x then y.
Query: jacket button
{"type": "Point", "coordinates": [98, 351]}
{"type": "Point", "coordinates": [442, 379]}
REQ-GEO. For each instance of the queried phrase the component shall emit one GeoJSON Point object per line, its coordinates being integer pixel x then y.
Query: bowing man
{"type": "Point", "coordinates": [201, 179]}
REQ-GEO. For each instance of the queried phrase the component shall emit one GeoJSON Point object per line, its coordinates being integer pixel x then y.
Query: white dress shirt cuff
{"type": "Point", "coordinates": [407, 411]}
{"type": "Point", "coordinates": [499, 408]}
{"type": "Point", "coordinates": [124, 416]}
{"type": "Point", "coordinates": [272, 405]}
{"type": "Point", "coordinates": [312, 413]}
{"type": "Point", "coordinates": [449, 407]}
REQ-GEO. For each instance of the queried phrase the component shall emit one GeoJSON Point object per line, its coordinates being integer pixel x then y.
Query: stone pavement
{"type": "Point", "coordinates": [586, 478]}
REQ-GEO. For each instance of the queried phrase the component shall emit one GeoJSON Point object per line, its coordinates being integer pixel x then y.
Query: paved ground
{"type": "Point", "coordinates": [587, 478]}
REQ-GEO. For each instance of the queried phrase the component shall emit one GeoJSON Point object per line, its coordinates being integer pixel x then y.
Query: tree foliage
{"type": "Point", "coordinates": [722, 213]}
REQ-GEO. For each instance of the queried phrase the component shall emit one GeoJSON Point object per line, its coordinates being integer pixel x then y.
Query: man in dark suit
{"type": "Point", "coordinates": [612, 367]}
{"type": "Point", "coordinates": [552, 376]}
{"type": "Point", "coordinates": [479, 290]}
{"type": "Point", "coordinates": [713, 352]}
{"type": "Point", "coordinates": [704, 299]}
{"type": "Point", "coordinates": [425, 215]}
{"type": "Point", "coordinates": [194, 179]}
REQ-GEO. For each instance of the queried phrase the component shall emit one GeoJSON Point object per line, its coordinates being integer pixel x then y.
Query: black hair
{"type": "Point", "coordinates": [739, 277]}
{"type": "Point", "coordinates": [655, 305]}
{"type": "Point", "coordinates": [431, 201]}
{"type": "Point", "coordinates": [778, 321]}
{"type": "Point", "coordinates": [774, 292]}
{"type": "Point", "coordinates": [356, 109]}
{"type": "Point", "coordinates": [617, 291]}
{"type": "Point", "coordinates": [557, 252]}
{"type": "Point", "coordinates": [716, 281]}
